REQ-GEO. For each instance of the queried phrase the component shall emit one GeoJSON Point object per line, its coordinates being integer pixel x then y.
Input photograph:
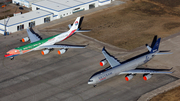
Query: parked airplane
{"type": "Point", "coordinates": [128, 67]}
{"type": "Point", "coordinates": [48, 43]}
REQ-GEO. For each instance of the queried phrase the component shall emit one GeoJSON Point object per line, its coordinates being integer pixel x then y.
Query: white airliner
{"type": "Point", "coordinates": [129, 67]}
{"type": "Point", "coordinates": [37, 43]}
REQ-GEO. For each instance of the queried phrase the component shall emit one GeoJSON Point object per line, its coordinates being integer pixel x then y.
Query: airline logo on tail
{"type": "Point", "coordinates": [76, 23]}
{"type": "Point", "coordinates": [156, 46]}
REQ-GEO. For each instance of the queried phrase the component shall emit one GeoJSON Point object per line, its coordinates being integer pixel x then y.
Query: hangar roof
{"type": "Point", "coordinates": [50, 5]}
{"type": "Point", "coordinates": [61, 5]}
{"type": "Point", "coordinates": [25, 17]}
{"type": "Point", "coordinates": [68, 3]}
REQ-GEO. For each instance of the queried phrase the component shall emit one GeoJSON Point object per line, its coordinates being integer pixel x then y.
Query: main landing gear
{"type": "Point", "coordinates": [94, 85]}
{"type": "Point", "coordinates": [12, 58]}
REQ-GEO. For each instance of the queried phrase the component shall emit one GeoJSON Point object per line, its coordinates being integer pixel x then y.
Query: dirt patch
{"type": "Point", "coordinates": [131, 27]}
{"type": "Point", "coordinates": [148, 8]}
{"type": "Point", "coordinates": [9, 10]}
{"type": "Point", "coordinates": [172, 95]}
{"type": "Point", "coordinates": [170, 3]}
{"type": "Point", "coordinates": [171, 25]}
{"type": "Point", "coordinates": [132, 24]}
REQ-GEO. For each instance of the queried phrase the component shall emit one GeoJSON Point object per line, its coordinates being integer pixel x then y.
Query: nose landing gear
{"type": "Point", "coordinates": [12, 58]}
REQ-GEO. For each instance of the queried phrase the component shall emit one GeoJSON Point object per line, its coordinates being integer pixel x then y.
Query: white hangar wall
{"type": "Point", "coordinates": [2, 29]}
{"type": "Point", "coordinates": [47, 10]}
{"type": "Point", "coordinates": [104, 2]}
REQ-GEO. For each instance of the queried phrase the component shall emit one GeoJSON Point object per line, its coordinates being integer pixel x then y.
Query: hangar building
{"type": "Point", "coordinates": [47, 10]}
{"type": "Point", "coordinates": [26, 3]}
{"type": "Point", "coordinates": [25, 20]}
{"type": "Point", "coordinates": [65, 8]}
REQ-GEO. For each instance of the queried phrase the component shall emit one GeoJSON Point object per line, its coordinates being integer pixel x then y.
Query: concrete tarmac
{"type": "Point", "coordinates": [53, 77]}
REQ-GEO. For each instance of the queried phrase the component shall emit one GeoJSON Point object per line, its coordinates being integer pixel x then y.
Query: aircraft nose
{"type": "Point", "coordinates": [7, 55]}
{"type": "Point", "coordinates": [91, 82]}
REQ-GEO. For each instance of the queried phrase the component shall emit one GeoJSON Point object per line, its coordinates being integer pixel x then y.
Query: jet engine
{"type": "Point", "coordinates": [25, 39]}
{"type": "Point", "coordinates": [61, 51]}
{"type": "Point", "coordinates": [129, 77]}
{"type": "Point", "coordinates": [103, 62]}
{"type": "Point", "coordinates": [44, 52]}
{"type": "Point", "coordinates": [147, 76]}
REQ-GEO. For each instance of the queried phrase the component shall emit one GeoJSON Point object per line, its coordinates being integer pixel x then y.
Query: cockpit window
{"type": "Point", "coordinates": [90, 80]}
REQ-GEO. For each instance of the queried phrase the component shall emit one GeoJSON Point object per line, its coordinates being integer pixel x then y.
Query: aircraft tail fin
{"type": "Point", "coordinates": [154, 41]}
{"type": "Point", "coordinates": [75, 24]}
{"type": "Point", "coordinates": [152, 44]}
{"type": "Point", "coordinates": [78, 29]}
{"type": "Point", "coordinates": [156, 46]}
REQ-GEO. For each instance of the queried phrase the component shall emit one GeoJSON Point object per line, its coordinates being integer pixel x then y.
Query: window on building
{"type": "Point", "coordinates": [77, 9]}
{"type": "Point", "coordinates": [37, 8]}
{"type": "Point", "coordinates": [32, 24]}
{"type": "Point", "coordinates": [91, 6]}
{"type": "Point", "coordinates": [21, 27]}
{"type": "Point", "coordinates": [47, 19]}
{"type": "Point", "coordinates": [18, 28]}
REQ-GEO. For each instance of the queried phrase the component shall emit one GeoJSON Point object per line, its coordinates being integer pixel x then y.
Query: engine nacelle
{"type": "Point", "coordinates": [103, 62]}
{"type": "Point", "coordinates": [129, 77]}
{"type": "Point", "coordinates": [147, 76]}
{"type": "Point", "coordinates": [61, 51]}
{"type": "Point", "coordinates": [25, 39]}
{"type": "Point", "coordinates": [44, 52]}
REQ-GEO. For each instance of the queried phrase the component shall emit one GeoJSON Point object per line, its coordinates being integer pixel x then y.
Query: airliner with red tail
{"type": "Point", "coordinates": [47, 44]}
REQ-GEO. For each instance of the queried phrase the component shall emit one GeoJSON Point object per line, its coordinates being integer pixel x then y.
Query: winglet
{"type": "Point", "coordinates": [103, 49]}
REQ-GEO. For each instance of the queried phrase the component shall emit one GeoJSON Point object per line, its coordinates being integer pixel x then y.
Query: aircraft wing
{"type": "Point", "coordinates": [112, 61]}
{"type": "Point", "coordinates": [64, 46]}
{"type": "Point", "coordinates": [142, 71]}
{"type": "Point", "coordinates": [32, 37]}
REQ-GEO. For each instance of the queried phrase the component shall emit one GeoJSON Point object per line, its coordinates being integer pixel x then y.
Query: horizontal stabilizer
{"type": "Point", "coordinates": [162, 53]}
{"type": "Point", "coordinates": [148, 47]}
{"type": "Point", "coordinates": [70, 25]}
{"type": "Point", "coordinates": [83, 30]}
{"type": "Point", "coordinates": [64, 46]}
{"type": "Point", "coordinates": [142, 71]}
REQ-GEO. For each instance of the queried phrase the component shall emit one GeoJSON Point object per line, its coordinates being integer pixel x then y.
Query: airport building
{"type": "Point", "coordinates": [25, 20]}
{"type": "Point", "coordinates": [63, 8]}
{"type": "Point", "coordinates": [25, 3]}
{"type": "Point", "coordinates": [46, 10]}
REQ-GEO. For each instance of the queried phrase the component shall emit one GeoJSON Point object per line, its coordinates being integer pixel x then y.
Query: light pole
{"type": "Point", "coordinates": [4, 6]}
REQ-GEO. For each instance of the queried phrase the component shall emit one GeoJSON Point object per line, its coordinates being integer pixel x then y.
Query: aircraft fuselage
{"type": "Point", "coordinates": [117, 70]}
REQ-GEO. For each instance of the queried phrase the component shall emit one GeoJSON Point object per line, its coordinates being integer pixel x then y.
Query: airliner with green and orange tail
{"type": "Point", "coordinates": [37, 43]}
